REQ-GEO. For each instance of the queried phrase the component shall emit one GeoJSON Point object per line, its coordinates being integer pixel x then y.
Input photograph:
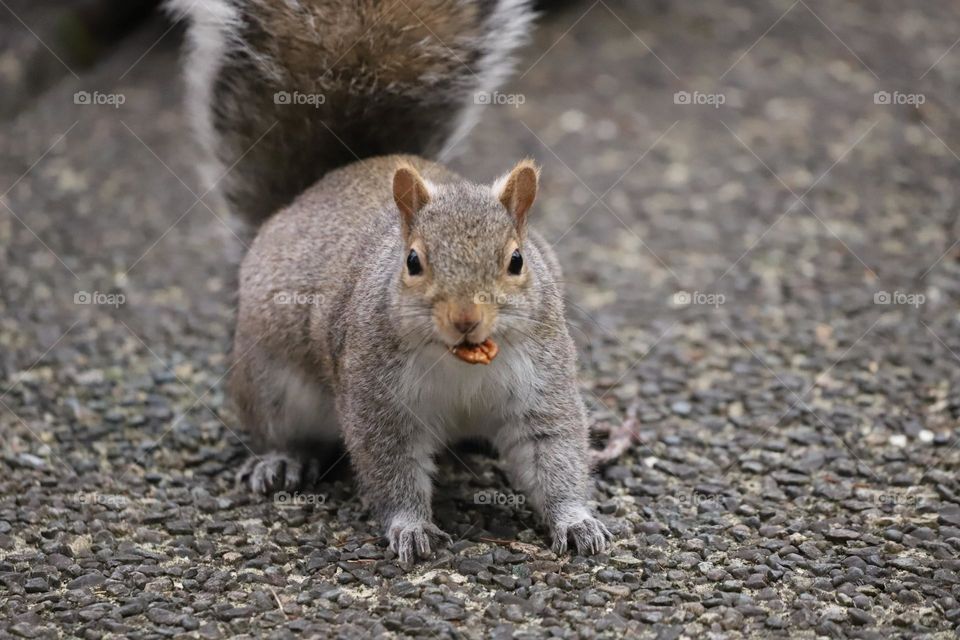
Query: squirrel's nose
{"type": "Point", "coordinates": [463, 318]}
{"type": "Point", "coordinates": [466, 324]}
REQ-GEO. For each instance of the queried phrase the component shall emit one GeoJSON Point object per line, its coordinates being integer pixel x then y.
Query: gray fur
{"type": "Point", "coordinates": [363, 336]}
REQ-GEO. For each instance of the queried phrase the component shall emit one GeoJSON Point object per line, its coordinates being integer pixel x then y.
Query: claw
{"type": "Point", "coordinates": [589, 535]}
{"type": "Point", "coordinates": [273, 472]}
{"type": "Point", "coordinates": [411, 540]}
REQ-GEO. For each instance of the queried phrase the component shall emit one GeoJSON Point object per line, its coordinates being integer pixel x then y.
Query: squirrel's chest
{"type": "Point", "coordinates": [461, 399]}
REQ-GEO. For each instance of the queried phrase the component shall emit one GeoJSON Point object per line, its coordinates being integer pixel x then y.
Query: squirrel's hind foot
{"type": "Point", "coordinates": [275, 471]}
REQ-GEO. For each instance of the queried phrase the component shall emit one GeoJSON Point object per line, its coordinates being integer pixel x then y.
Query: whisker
{"type": "Point", "coordinates": [530, 319]}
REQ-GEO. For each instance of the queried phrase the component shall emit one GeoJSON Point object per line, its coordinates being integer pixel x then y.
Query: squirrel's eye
{"type": "Point", "coordinates": [516, 263]}
{"type": "Point", "coordinates": [413, 263]}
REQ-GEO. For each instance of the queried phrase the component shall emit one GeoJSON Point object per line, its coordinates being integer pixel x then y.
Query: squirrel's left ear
{"type": "Point", "coordinates": [518, 189]}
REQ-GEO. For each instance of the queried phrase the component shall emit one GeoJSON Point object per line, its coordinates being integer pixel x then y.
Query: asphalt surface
{"type": "Point", "coordinates": [763, 271]}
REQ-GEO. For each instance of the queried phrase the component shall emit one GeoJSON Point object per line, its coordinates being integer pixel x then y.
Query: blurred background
{"type": "Point", "coordinates": [755, 205]}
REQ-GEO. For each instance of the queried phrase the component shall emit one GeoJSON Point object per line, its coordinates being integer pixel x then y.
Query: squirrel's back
{"type": "Point", "coordinates": [283, 91]}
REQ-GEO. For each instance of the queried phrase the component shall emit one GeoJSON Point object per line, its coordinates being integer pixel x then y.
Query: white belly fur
{"type": "Point", "coordinates": [450, 398]}
{"type": "Point", "coordinates": [456, 400]}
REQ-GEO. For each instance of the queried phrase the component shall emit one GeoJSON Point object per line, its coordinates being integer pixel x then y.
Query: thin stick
{"type": "Point", "coordinates": [279, 604]}
{"type": "Point", "coordinates": [619, 439]}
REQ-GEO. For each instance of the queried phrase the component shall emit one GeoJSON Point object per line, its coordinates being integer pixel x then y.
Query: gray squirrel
{"type": "Point", "coordinates": [385, 301]}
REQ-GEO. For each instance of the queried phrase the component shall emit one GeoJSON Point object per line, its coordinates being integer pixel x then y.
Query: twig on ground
{"type": "Point", "coordinates": [619, 438]}
{"type": "Point", "coordinates": [279, 604]}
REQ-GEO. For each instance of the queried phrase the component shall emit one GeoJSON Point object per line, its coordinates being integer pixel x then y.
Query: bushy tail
{"type": "Point", "coordinates": [282, 91]}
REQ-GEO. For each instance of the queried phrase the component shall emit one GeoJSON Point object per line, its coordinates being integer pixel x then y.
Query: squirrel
{"type": "Point", "coordinates": [384, 301]}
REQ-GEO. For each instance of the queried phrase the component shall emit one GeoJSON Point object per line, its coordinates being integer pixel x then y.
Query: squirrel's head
{"type": "Point", "coordinates": [463, 268]}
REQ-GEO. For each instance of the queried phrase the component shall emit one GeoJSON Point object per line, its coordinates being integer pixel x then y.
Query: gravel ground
{"type": "Point", "coordinates": [762, 279]}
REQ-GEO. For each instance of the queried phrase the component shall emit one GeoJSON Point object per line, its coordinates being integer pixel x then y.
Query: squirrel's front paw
{"type": "Point", "coordinates": [589, 535]}
{"type": "Point", "coordinates": [411, 539]}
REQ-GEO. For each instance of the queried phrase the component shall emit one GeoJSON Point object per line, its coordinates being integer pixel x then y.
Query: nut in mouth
{"type": "Point", "coordinates": [482, 353]}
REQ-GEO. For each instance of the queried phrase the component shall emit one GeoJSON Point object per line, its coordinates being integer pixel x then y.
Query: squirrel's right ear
{"type": "Point", "coordinates": [410, 193]}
